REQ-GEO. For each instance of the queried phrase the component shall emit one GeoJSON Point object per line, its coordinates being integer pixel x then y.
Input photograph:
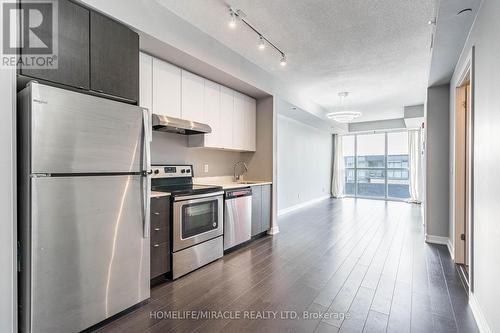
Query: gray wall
{"type": "Point", "coordinates": [377, 125]}
{"type": "Point", "coordinates": [304, 162]}
{"type": "Point", "coordinates": [260, 163]}
{"type": "Point", "coordinates": [8, 294]}
{"type": "Point", "coordinates": [486, 270]}
{"type": "Point", "coordinates": [170, 148]}
{"type": "Point", "coordinates": [437, 156]}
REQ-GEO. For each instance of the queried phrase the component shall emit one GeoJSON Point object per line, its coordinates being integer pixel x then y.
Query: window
{"type": "Point", "coordinates": [398, 181]}
{"type": "Point", "coordinates": [370, 154]}
{"type": "Point", "coordinates": [376, 165]}
{"type": "Point", "coordinates": [349, 155]}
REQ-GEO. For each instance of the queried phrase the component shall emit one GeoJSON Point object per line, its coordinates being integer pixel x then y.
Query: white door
{"type": "Point", "coordinates": [166, 89]}
{"type": "Point", "coordinates": [192, 97]}
{"type": "Point", "coordinates": [226, 117]}
{"type": "Point", "coordinates": [145, 81]}
{"type": "Point", "coordinates": [213, 114]}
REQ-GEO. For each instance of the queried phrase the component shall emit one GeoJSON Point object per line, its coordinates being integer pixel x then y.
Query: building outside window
{"type": "Point", "coordinates": [376, 165]}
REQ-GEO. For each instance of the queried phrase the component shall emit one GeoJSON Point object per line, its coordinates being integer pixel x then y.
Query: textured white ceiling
{"type": "Point", "coordinates": [378, 50]}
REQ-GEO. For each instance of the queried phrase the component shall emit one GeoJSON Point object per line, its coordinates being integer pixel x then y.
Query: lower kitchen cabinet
{"type": "Point", "coordinates": [261, 209]}
{"type": "Point", "coordinates": [160, 240]}
{"type": "Point", "coordinates": [266, 207]}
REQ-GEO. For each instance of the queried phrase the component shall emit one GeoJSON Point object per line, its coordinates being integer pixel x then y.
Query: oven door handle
{"type": "Point", "coordinates": [198, 196]}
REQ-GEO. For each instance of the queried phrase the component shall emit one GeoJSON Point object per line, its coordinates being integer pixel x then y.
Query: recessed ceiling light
{"type": "Point", "coordinates": [344, 116]}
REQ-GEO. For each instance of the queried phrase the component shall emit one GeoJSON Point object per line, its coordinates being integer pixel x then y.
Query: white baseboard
{"type": "Point", "coordinates": [301, 205]}
{"type": "Point", "coordinates": [436, 239]}
{"type": "Point", "coordinates": [274, 230]}
{"type": "Point", "coordinates": [451, 249]}
{"type": "Point", "coordinates": [481, 322]}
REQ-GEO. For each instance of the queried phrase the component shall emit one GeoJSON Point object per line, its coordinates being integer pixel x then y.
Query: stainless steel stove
{"type": "Point", "coordinates": [197, 217]}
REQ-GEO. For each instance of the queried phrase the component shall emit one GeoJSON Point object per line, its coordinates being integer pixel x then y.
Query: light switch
{"type": "Point", "coordinates": [205, 168]}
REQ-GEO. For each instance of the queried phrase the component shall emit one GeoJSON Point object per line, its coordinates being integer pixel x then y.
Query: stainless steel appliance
{"type": "Point", "coordinates": [164, 123]}
{"type": "Point", "coordinates": [83, 208]}
{"type": "Point", "coordinates": [197, 217]}
{"type": "Point", "coordinates": [237, 216]}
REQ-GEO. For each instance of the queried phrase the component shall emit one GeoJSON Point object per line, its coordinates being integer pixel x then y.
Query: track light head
{"type": "Point", "coordinates": [232, 19]}
{"type": "Point", "coordinates": [262, 43]}
{"type": "Point", "coordinates": [283, 60]}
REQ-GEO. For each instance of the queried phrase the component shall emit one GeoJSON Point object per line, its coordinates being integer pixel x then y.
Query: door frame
{"type": "Point", "coordinates": [463, 165]}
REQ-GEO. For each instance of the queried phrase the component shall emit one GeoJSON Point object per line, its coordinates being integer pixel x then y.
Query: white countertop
{"type": "Point", "coordinates": [226, 182]}
{"type": "Point", "coordinates": [155, 194]}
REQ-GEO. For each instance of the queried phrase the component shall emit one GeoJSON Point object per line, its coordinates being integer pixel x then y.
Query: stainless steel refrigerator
{"type": "Point", "coordinates": [84, 189]}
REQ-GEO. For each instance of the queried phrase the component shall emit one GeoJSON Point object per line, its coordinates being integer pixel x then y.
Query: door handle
{"type": "Point", "coordinates": [147, 138]}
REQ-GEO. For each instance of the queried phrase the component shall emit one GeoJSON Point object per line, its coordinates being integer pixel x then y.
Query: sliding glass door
{"type": "Point", "coordinates": [376, 165]}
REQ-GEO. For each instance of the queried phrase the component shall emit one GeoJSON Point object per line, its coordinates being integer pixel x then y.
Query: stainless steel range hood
{"type": "Point", "coordinates": [176, 125]}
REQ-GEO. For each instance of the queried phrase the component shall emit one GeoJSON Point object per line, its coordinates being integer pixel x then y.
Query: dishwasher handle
{"type": "Point", "coordinates": [237, 193]}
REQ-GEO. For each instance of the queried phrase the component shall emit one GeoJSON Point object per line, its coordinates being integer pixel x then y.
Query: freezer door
{"type": "Point", "coordinates": [89, 259]}
{"type": "Point", "coordinates": [77, 133]}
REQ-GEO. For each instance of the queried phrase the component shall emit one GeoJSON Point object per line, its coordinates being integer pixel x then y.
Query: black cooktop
{"type": "Point", "coordinates": [178, 180]}
{"type": "Point", "coordinates": [186, 189]}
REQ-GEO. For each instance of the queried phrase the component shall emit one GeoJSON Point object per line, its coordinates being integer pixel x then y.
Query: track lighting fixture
{"type": "Point", "coordinates": [238, 14]}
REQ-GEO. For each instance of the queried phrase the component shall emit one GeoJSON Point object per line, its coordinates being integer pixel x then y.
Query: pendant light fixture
{"type": "Point", "coordinates": [238, 14]}
{"type": "Point", "coordinates": [343, 116]}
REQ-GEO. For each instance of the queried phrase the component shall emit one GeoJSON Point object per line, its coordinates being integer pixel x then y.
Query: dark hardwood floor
{"type": "Point", "coordinates": [360, 264]}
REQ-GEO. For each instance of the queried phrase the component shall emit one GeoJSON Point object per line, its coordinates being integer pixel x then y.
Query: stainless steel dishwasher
{"type": "Point", "coordinates": [237, 216]}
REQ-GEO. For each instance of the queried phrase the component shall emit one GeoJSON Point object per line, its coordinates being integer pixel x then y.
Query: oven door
{"type": "Point", "coordinates": [197, 218]}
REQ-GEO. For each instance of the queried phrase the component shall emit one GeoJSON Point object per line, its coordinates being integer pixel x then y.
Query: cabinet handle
{"type": "Point", "coordinates": [156, 245]}
{"type": "Point", "coordinates": [157, 229]}
{"type": "Point", "coordinates": [156, 213]}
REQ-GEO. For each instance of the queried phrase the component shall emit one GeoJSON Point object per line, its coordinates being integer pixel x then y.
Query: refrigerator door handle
{"type": "Point", "coordinates": [148, 137]}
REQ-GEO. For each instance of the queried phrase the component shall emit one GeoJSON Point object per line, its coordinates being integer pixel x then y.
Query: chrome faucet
{"type": "Point", "coordinates": [237, 176]}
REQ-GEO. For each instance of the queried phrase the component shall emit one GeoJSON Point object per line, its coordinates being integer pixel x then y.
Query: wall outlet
{"type": "Point", "coordinates": [205, 168]}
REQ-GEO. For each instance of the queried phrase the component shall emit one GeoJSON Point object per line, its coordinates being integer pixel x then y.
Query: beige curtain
{"type": "Point", "coordinates": [415, 164]}
{"type": "Point", "coordinates": [338, 173]}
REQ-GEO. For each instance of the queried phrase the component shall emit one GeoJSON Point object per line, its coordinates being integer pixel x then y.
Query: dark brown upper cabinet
{"type": "Point", "coordinates": [114, 58]}
{"type": "Point", "coordinates": [73, 49]}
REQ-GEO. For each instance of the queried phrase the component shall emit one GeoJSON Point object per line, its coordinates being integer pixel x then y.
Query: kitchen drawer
{"type": "Point", "coordinates": [159, 218]}
{"type": "Point", "coordinates": [160, 259]}
{"type": "Point", "coordinates": [159, 234]}
{"type": "Point", "coordinates": [159, 203]}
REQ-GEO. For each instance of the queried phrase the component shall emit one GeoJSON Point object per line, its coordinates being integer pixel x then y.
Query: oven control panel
{"type": "Point", "coordinates": [172, 171]}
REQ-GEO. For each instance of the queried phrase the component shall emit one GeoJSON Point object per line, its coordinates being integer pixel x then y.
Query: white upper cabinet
{"type": "Point", "coordinates": [212, 112]}
{"type": "Point", "coordinates": [146, 81]}
{"type": "Point", "coordinates": [193, 95]}
{"type": "Point", "coordinates": [169, 90]}
{"type": "Point", "coordinates": [226, 117]}
{"type": "Point", "coordinates": [166, 89]}
{"type": "Point", "coordinates": [239, 120]}
{"type": "Point", "coordinates": [251, 124]}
